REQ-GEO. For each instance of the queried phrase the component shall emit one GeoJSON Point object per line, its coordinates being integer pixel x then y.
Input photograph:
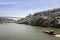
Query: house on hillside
{"type": "Point", "coordinates": [58, 18]}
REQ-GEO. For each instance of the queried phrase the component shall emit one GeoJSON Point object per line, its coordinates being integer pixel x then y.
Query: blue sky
{"type": "Point", "coordinates": [21, 8]}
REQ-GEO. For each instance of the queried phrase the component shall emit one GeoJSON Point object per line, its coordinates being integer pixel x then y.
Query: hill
{"type": "Point", "coordinates": [7, 20]}
{"type": "Point", "coordinates": [49, 18]}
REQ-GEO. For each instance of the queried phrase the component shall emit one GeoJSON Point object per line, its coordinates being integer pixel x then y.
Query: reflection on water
{"type": "Point", "coordinates": [11, 31]}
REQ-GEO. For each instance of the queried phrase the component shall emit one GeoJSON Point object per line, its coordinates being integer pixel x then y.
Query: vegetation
{"type": "Point", "coordinates": [6, 20]}
{"type": "Point", "coordinates": [45, 18]}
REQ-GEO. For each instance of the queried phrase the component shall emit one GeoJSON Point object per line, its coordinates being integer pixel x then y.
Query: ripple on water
{"type": "Point", "coordinates": [25, 32]}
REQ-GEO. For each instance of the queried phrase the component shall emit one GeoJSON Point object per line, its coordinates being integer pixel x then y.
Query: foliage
{"type": "Point", "coordinates": [45, 18]}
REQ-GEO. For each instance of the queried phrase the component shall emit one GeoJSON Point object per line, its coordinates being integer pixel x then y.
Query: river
{"type": "Point", "coordinates": [12, 31]}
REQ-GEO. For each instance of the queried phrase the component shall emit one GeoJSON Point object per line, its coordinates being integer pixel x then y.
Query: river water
{"type": "Point", "coordinates": [12, 31]}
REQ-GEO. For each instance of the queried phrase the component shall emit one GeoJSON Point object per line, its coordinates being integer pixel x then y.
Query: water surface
{"type": "Point", "coordinates": [12, 31]}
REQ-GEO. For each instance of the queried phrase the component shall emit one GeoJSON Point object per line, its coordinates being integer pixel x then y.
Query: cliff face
{"type": "Point", "coordinates": [46, 18]}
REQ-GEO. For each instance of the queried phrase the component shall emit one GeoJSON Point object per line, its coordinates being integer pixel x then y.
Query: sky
{"type": "Point", "coordinates": [22, 8]}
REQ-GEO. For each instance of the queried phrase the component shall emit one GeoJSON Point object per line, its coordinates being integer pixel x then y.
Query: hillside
{"type": "Point", "coordinates": [6, 20]}
{"type": "Point", "coordinates": [49, 18]}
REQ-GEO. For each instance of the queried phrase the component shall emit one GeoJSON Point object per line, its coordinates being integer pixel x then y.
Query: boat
{"type": "Point", "coordinates": [57, 35]}
{"type": "Point", "coordinates": [51, 32]}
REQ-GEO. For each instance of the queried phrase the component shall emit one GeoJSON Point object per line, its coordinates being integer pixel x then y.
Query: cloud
{"type": "Point", "coordinates": [8, 3]}
{"type": "Point", "coordinates": [24, 7]}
